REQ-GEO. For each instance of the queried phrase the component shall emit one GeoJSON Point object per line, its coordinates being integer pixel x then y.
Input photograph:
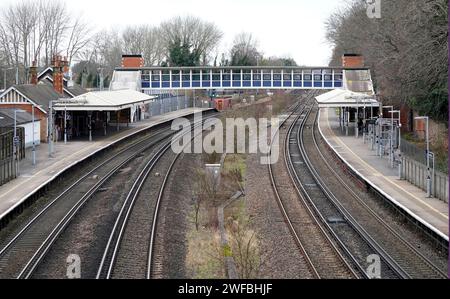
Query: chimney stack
{"type": "Point", "coordinates": [33, 74]}
{"type": "Point", "coordinates": [59, 66]}
{"type": "Point", "coordinates": [352, 61]}
{"type": "Point", "coordinates": [132, 61]}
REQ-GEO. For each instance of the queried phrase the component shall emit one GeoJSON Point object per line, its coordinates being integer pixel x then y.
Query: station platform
{"type": "Point", "coordinates": [32, 178]}
{"type": "Point", "coordinates": [376, 171]}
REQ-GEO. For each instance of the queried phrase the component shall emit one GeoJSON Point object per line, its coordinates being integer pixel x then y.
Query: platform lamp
{"type": "Point", "coordinates": [16, 140]}
{"type": "Point", "coordinates": [391, 145]}
{"type": "Point", "coordinates": [392, 112]}
{"type": "Point", "coordinates": [427, 120]}
{"type": "Point", "coordinates": [50, 129]}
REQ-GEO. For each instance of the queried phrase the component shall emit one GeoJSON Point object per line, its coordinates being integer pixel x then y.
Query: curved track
{"type": "Point", "coordinates": [402, 256]}
{"type": "Point", "coordinates": [26, 249]}
{"type": "Point", "coordinates": [129, 252]}
{"type": "Point", "coordinates": [323, 258]}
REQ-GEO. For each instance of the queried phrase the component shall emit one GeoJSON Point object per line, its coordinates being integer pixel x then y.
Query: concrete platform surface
{"type": "Point", "coordinates": [377, 172]}
{"type": "Point", "coordinates": [67, 155]}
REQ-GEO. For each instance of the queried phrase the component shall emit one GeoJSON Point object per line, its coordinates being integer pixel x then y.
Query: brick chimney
{"type": "Point", "coordinates": [65, 65]}
{"type": "Point", "coordinates": [58, 65]}
{"type": "Point", "coordinates": [132, 61]}
{"type": "Point", "coordinates": [33, 74]}
{"type": "Point", "coordinates": [352, 61]}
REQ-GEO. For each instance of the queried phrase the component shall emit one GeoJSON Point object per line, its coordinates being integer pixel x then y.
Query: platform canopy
{"type": "Point", "coordinates": [104, 101]}
{"type": "Point", "coordinates": [345, 98]}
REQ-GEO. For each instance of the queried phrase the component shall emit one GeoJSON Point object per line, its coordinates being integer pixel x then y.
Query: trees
{"type": "Point", "coordinates": [189, 40]}
{"type": "Point", "coordinates": [143, 40]}
{"type": "Point", "coordinates": [406, 49]}
{"type": "Point", "coordinates": [37, 30]}
{"type": "Point", "coordinates": [278, 61]}
{"type": "Point", "coordinates": [244, 51]}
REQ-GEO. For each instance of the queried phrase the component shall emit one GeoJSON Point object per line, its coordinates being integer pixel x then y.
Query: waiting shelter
{"type": "Point", "coordinates": [95, 112]}
{"type": "Point", "coordinates": [353, 107]}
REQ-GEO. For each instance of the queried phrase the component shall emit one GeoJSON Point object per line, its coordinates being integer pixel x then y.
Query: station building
{"type": "Point", "coordinates": [44, 87]}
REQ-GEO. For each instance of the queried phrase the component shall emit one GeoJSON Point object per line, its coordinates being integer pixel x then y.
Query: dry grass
{"type": "Point", "coordinates": [204, 257]}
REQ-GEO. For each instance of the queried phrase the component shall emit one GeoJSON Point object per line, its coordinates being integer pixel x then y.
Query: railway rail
{"type": "Point", "coordinates": [323, 258]}
{"type": "Point", "coordinates": [135, 257]}
{"type": "Point", "coordinates": [401, 256]}
{"type": "Point", "coordinates": [25, 250]}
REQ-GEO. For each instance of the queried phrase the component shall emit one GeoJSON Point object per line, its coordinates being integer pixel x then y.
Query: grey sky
{"type": "Point", "coordinates": [283, 27]}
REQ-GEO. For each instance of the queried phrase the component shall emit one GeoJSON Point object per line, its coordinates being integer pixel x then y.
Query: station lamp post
{"type": "Point", "coordinates": [34, 143]}
{"type": "Point", "coordinates": [391, 143]}
{"type": "Point", "coordinates": [392, 112]}
{"type": "Point", "coordinates": [50, 130]}
{"type": "Point", "coordinates": [16, 139]}
{"type": "Point", "coordinates": [426, 118]}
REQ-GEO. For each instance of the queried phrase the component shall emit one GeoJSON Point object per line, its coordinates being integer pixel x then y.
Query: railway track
{"type": "Point", "coordinates": [26, 249]}
{"type": "Point", "coordinates": [321, 255]}
{"type": "Point", "coordinates": [130, 251]}
{"type": "Point", "coordinates": [402, 256]}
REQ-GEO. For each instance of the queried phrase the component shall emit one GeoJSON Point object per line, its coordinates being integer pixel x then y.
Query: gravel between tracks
{"type": "Point", "coordinates": [176, 205]}
{"type": "Point", "coordinates": [88, 233]}
{"type": "Point", "coordinates": [281, 256]}
{"type": "Point", "coordinates": [398, 223]}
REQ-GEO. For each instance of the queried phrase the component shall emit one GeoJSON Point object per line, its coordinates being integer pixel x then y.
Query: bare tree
{"type": "Point", "coordinates": [56, 21]}
{"type": "Point", "coordinates": [144, 40]}
{"type": "Point", "coordinates": [244, 51]}
{"type": "Point", "coordinates": [245, 251]}
{"type": "Point", "coordinates": [79, 36]}
{"type": "Point", "coordinates": [406, 49]}
{"type": "Point", "coordinates": [36, 31]}
{"type": "Point", "coordinates": [207, 193]}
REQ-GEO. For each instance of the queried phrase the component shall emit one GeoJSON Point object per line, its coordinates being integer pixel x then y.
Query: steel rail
{"type": "Point", "coordinates": [393, 265]}
{"type": "Point", "coordinates": [391, 230]}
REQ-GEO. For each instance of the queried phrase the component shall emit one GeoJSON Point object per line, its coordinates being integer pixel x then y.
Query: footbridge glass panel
{"type": "Point", "coordinates": [173, 78]}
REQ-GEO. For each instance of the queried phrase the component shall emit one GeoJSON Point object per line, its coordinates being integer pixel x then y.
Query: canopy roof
{"type": "Point", "coordinates": [346, 98]}
{"type": "Point", "coordinates": [103, 101]}
{"type": "Point", "coordinates": [7, 117]}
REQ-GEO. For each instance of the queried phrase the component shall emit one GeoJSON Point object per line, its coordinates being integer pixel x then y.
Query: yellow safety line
{"type": "Point", "coordinates": [381, 175]}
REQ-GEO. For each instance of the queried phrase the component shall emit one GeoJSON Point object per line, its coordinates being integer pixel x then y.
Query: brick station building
{"type": "Point", "coordinates": [49, 85]}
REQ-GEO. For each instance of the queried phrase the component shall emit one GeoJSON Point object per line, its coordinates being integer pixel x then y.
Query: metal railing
{"type": "Point", "coordinates": [413, 151]}
{"type": "Point", "coordinates": [416, 173]}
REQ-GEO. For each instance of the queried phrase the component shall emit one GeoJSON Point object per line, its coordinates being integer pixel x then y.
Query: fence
{"type": "Point", "coordinates": [413, 151]}
{"type": "Point", "coordinates": [7, 161]}
{"type": "Point", "coordinates": [165, 104]}
{"type": "Point", "coordinates": [416, 173]}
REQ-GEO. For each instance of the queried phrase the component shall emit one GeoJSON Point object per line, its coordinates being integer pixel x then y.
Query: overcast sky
{"type": "Point", "coordinates": [283, 27]}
